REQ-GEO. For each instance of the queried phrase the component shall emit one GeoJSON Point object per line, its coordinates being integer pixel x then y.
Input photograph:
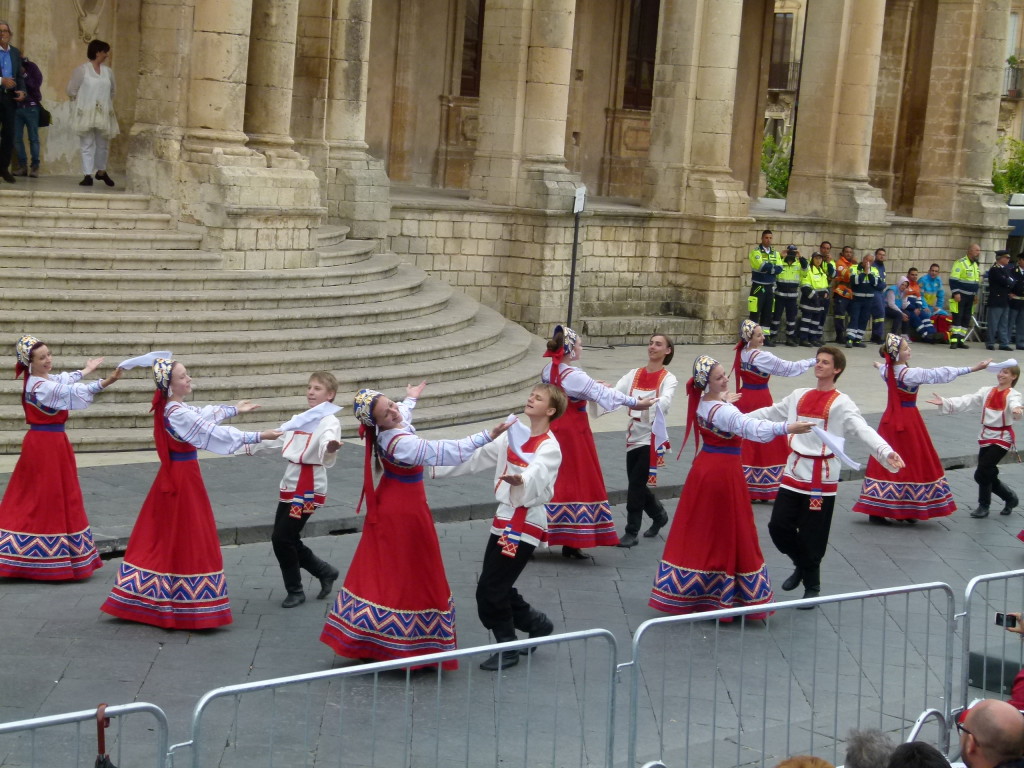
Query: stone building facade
{"type": "Point", "coordinates": [456, 133]}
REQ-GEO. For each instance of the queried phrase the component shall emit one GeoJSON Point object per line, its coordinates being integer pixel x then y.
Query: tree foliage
{"type": "Point", "coordinates": [775, 164]}
{"type": "Point", "coordinates": [1008, 166]}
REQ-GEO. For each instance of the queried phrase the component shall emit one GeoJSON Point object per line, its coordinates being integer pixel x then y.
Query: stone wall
{"type": "Point", "coordinates": [638, 268]}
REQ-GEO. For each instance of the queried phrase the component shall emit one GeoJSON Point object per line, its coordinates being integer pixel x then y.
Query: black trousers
{"type": "Point", "coordinates": [840, 309]}
{"type": "Point", "coordinates": [498, 603]}
{"type": "Point", "coordinates": [639, 498]}
{"type": "Point", "coordinates": [800, 532]}
{"type": "Point", "coordinates": [987, 475]}
{"type": "Point", "coordinates": [765, 306]}
{"type": "Point", "coordinates": [292, 554]}
{"type": "Point", "coordinates": [785, 305]}
{"type": "Point", "coordinates": [6, 130]}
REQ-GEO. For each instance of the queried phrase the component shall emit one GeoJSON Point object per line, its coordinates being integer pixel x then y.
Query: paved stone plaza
{"type": "Point", "coordinates": [61, 654]}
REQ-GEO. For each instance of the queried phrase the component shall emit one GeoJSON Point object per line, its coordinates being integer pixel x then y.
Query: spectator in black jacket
{"type": "Point", "coordinates": [1017, 303]}
{"type": "Point", "coordinates": [1000, 285]}
{"type": "Point", "coordinates": [26, 115]}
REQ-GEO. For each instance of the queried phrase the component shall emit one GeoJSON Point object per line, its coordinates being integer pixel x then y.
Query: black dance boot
{"type": "Point", "coordinates": [538, 625]}
{"type": "Point", "coordinates": [503, 659]}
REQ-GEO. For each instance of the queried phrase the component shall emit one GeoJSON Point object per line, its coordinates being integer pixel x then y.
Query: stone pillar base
{"type": "Point", "coordinates": [949, 200]}
{"type": "Point", "coordinates": [257, 215]}
{"type": "Point", "coordinates": [546, 186]}
{"type": "Point", "coordinates": [837, 199]}
{"type": "Point", "coordinates": [716, 195]}
{"type": "Point", "coordinates": [358, 191]}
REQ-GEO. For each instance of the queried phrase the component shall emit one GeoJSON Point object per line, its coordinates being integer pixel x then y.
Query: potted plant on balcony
{"type": "Point", "coordinates": [1013, 75]}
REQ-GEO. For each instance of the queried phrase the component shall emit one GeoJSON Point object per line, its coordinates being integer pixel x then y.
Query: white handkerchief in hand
{"type": "Point", "coordinates": [518, 434]}
{"type": "Point", "coordinates": [307, 420]}
{"type": "Point", "coordinates": [658, 426]}
{"type": "Point", "coordinates": [996, 367]}
{"type": "Point", "coordinates": [836, 444]}
{"type": "Point", "coordinates": [146, 360]}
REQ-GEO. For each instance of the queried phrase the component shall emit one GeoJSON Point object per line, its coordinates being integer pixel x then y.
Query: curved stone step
{"type": "Point", "coordinates": [348, 252]}
{"type": "Point", "coordinates": [109, 239]}
{"type": "Point", "coordinates": [92, 200]}
{"type": "Point", "coordinates": [85, 219]}
{"type": "Point", "coordinates": [328, 235]}
{"type": "Point", "coordinates": [464, 324]}
{"type": "Point", "coordinates": [506, 367]}
{"type": "Point", "coordinates": [222, 306]}
{"type": "Point", "coordinates": [79, 336]}
{"type": "Point", "coordinates": [381, 267]}
{"type": "Point", "coordinates": [25, 258]}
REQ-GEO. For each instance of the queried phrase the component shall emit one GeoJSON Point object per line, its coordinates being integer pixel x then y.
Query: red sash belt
{"type": "Point", "coordinates": [513, 533]}
{"type": "Point", "coordinates": [817, 478]}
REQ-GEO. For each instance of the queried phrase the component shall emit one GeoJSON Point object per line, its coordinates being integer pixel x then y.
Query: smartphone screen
{"type": "Point", "coordinates": [1004, 620]}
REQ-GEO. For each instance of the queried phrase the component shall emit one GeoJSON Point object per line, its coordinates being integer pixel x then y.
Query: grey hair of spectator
{"type": "Point", "coordinates": [868, 748]}
{"type": "Point", "coordinates": [917, 754]}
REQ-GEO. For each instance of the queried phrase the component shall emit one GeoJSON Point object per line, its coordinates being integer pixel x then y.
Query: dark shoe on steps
{"type": "Point", "coordinates": [20, 172]}
{"type": "Point", "coordinates": [574, 554]}
{"type": "Point", "coordinates": [102, 176]}
{"type": "Point", "coordinates": [806, 343]}
{"type": "Point", "coordinates": [980, 512]}
{"type": "Point", "coordinates": [962, 345]}
{"type": "Point", "coordinates": [793, 581]}
{"type": "Point", "coordinates": [86, 182]}
{"type": "Point", "coordinates": [791, 342]}
{"type": "Point", "coordinates": [294, 599]}
{"type": "Point", "coordinates": [327, 583]}
{"type": "Point", "coordinates": [809, 593]}
{"type": "Point", "coordinates": [1005, 348]}
{"type": "Point", "coordinates": [6, 176]}
{"type": "Point", "coordinates": [628, 540]}
{"type": "Point", "coordinates": [879, 520]}
{"type": "Point", "coordinates": [1009, 505]}
{"type": "Point", "coordinates": [656, 526]}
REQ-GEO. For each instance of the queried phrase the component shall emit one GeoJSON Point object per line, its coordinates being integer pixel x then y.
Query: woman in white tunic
{"type": "Point", "coordinates": [92, 114]}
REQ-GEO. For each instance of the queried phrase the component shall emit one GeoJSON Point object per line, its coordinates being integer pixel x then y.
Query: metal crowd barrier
{"type": "Point", "coordinates": [555, 707]}
{"type": "Point", "coordinates": [720, 688]}
{"type": "Point", "coordinates": [79, 748]}
{"type": "Point", "coordinates": [991, 655]}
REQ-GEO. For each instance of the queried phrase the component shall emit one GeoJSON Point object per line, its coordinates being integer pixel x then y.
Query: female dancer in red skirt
{"type": "Point", "coordinates": [712, 556]}
{"type": "Point", "coordinates": [763, 463]}
{"type": "Point", "coordinates": [919, 491]}
{"type": "Point", "coordinates": [44, 533]}
{"type": "Point", "coordinates": [579, 514]}
{"type": "Point", "coordinates": [396, 602]}
{"type": "Point", "coordinates": [172, 575]}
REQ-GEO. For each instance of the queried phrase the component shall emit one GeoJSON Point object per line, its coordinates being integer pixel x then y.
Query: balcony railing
{"type": "Point", "coordinates": [1013, 82]}
{"type": "Point", "coordinates": [784, 76]}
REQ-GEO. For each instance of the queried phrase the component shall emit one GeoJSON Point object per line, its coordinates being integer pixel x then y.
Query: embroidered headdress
{"type": "Point", "coordinates": [569, 341]}
{"type": "Point", "coordinates": [23, 348]}
{"type": "Point", "coordinates": [694, 389]}
{"type": "Point", "coordinates": [162, 368]}
{"type": "Point", "coordinates": [891, 349]}
{"type": "Point", "coordinates": [362, 406]}
{"type": "Point", "coordinates": [747, 328]}
{"type": "Point", "coordinates": [362, 409]}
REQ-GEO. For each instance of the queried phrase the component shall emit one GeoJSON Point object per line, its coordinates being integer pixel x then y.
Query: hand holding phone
{"type": "Point", "coordinates": [1007, 620]}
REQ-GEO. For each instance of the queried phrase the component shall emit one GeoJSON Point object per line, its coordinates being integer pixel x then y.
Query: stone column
{"type": "Point", "coordinates": [838, 82]}
{"type": "Point", "coordinates": [358, 189]}
{"type": "Point", "coordinates": [524, 99]}
{"type": "Point", "coordinates": [309, 89]}
{"type": "Point", "coordinates": [963, 109]}
{"type": "Point", "coordinates": [217, 82]}
{"type": "Point", "coordinates": [692, 110]}
{"type": "Point", "coordinates": [165, 38]}
{"type": "Point", "coordinates": [268, 93]}
{"type": "Point", "coordinates": [889, 102]}
{"type": "Point", "coordinates": [257, 214]}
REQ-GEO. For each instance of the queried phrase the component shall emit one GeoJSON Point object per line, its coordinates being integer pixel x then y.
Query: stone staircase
{"type": "Point", "coordinates": [99, 274]}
